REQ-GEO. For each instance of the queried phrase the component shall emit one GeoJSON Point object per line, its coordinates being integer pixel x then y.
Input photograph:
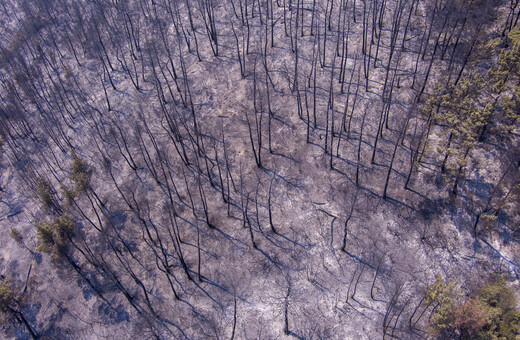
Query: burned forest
{"type": "Point", "coordinates": [259, 169]}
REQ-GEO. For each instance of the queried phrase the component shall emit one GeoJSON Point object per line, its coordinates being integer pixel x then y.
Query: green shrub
{"type": "Point", "coordinates": [499, 301]}
{"type": "Point", "coordinates": [44, 191]}
{"type": "Point", "coordinates": [489, 313]}
{"type": "Point", "coordinates": [16, 235]}
{"type": "Point", "coordinates": [80, 174]}
{"type": "Point", "coordinates": [7, 298]}
{"type": "Point", "coordinates": [54, 237]}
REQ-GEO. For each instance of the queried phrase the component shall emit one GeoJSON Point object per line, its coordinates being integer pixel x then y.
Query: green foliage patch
{"type": "Point", "coordinates": [54, 236]}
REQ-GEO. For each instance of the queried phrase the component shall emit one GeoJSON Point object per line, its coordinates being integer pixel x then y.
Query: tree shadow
{"type": "Point", "coordinates": [231, 239]}
{"type": "Point", "coordinates": [304, 246]}
{"type": "Point", "coordinates": [166, 321]}
{"type": "Point", "coordinates": [354, 308]}
{"type": "Point", "coordinates": [291, 333]}
{"type": "Point", "coordinates": [272, 240]}
{"type": "Point", "coordinates": [344, 174]}
{"type": "Point", "coordinates": [286, 157]}
{"type": "Point", "coordinates": [397, 202]}
{"type": "Point", "coordinates": [268, 257]}
{"type": "Point", "coordinates": [419, 194]}
{"type": "Point", "coordinates": [514, 266]}
{"type": "Point", "coordinates": [210, 282]}
{"type": "Point", "coordinates": [360, 260]}
{"type": "Point", "coordinates": [365, 306]}
{"type": "Point", "coordinates": [206, 293]}
{"type": "Point", "coordinates": [114, 314]}
{"type": "Point", "coordinates": [277, 175]}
